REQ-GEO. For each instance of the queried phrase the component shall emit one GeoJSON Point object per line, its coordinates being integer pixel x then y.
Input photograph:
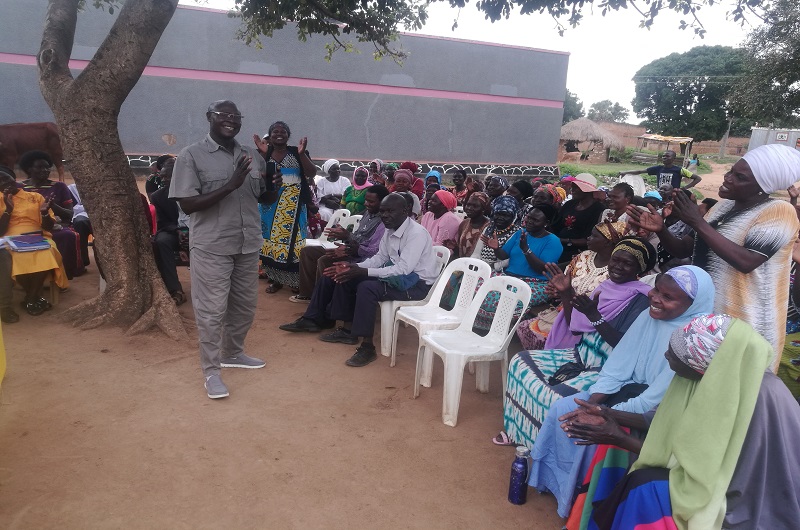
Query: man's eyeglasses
{"type": "Point", "coordinates": [227, 115]}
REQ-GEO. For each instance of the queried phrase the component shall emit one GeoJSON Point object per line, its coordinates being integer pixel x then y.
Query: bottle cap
{"type": "Point", "coordinates": [523, 451]}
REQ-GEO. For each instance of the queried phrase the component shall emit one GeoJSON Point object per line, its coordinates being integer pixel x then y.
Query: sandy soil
{"type": "Point", "coordinates": [100, 430]}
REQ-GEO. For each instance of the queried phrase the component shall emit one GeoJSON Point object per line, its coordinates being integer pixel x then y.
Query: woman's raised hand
{"type": "Point", "coordinates": [557, 279]}
{"type": "Point", "coordinates": [588, 306]}
{"type": "Point", "coordinates": [302, 144]}
{"type": "Point", "coordinates": [649, 220]}
{"type": "Point", "coordinates": [523, 241]}
{"type": "Point", "coordinates": [491, 242]}
{"type": "Point", "coordinates": [262, 144]}
{"type": "Point", "coordinates": [686, 210]}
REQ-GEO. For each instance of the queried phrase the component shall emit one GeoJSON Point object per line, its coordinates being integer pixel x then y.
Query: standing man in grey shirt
{"type": "Point", "coordinates": [218, 182]}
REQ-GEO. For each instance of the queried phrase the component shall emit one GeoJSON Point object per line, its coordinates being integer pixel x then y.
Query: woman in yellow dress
{"type": "Point", "coordinates": [22, 212]}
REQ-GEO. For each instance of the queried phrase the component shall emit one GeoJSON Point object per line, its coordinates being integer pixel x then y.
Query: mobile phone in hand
{"type": "Point", "coordinates": [272, 168]}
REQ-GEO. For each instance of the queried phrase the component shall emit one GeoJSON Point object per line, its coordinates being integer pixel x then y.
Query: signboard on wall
{"type": "Point", "coordinates": [781, 137]}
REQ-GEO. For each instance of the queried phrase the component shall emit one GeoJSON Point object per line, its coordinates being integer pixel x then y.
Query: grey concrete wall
{"type": "Point", "coordinates": [762, 136]}
{"type": "Point", "coordinates": [339, 123]}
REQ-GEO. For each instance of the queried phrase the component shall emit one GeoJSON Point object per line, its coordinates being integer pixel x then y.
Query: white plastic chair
{"type": "Point", "coordinates": [459, 346]}
{"type": "Point", "coordinates": [459, 211]}
{"type": "Point", "coordinates": [351, 222]}
{"type": "Point", "coordinates": [339, 217]}
{"type": "Point", "coordinates": [431, 316]}
{"type": "Point", "coordinates": [390, 307]}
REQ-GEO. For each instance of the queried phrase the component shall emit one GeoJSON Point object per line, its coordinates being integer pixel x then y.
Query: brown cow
{"type": "Point", "coordinates": [18, 138]}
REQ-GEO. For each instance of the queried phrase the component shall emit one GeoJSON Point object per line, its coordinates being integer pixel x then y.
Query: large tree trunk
{"type": "Point", "coordinates": [86, 110]}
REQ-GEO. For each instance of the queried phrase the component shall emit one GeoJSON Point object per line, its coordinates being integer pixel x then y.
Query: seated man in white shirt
{"type": "Point", "coordinates": [403, 269]}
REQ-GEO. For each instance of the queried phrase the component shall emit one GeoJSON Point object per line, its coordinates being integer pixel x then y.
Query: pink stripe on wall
{"type": "Point", "coordinates": [299, 82]}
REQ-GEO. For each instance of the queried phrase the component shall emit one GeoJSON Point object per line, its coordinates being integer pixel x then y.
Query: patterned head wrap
{"type": "Point", "coordinates": [504, 203]}
{"type": "Point", "coordinates": [327, 165]}
{"type": "Point", "coordinates": [775, 166]}
{"type": "Point", "coordinates": [561, 193]}
{"type": "Point", "coordinates": [483, 198]}
{"type": "Point", "coordinates": [640, 249]}
{"type": "Point", "coordinates": [685, 279]}
{"type": "Point", "coordinates": [503, 182]}
{"type": "Point", "coordinates": [392, 165]}
{"type": "Point", "coordinates": [696, 343]}
{"type": "Point", "coordinates": [612, 231]}
{"type": "Point", "coordinates": [366, 184]}
{"type": "Point", "coordinates": [553, 191]}
{"type": "Point", "coordinates": [378, 162]}
{"type": "Point", "coordinates": [447, 199]}
{"type": "Point", "coordinates": [411, 166]}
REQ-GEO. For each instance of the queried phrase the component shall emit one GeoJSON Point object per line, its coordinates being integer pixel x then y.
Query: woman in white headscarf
{"type": "Point", "coordinates": [745, 241]}
{"type": "Point", "coordinates": [330, 188]}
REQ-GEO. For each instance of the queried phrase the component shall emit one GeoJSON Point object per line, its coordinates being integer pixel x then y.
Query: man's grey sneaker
{"type": "Point", "coordinates": [340, 335]}
{"type": "Point", "coordinates": [242, 361]}
{"type": "Point", "coordinates": [215, 388]}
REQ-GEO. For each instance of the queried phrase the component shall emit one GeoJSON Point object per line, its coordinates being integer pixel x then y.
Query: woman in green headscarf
{"type": "Point", "coordinates": [720, 449]}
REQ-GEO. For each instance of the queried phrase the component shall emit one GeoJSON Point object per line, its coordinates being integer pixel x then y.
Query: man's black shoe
{"type": "Point", "coordinates": [362, 357]}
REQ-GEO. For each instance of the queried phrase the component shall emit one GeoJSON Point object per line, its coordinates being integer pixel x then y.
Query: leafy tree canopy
{"type": "Point", "coordinates": [573, 108]}
{"type": "Point", "coordinates": [688, 94]}
{"type": "Point", "coordinates": [607, 111]}
{"type": "Point", "coordinates": [770, 90]}
{"type": "Point", "coordinates": [377, 21]}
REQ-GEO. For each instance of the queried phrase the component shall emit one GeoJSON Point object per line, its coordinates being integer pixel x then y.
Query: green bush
{"type": "Point", "coordinates": [625, 156]}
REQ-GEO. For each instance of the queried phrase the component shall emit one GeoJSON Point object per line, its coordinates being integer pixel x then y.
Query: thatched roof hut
{"type": "Point", "coordinates": [585, 130]}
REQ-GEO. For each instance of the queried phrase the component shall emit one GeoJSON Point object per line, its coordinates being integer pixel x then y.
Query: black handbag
{"type": "Point", "coordinates": [566, 372]}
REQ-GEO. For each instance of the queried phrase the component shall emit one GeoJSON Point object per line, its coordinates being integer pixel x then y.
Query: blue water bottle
{"type": "Point", "coordinates": [518, 486]}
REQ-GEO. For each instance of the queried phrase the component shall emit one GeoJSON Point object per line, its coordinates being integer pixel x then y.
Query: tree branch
{"type": "Point", "coordinates": [58, 37]}
{"type": "Point", "coordinates": [123, 55]}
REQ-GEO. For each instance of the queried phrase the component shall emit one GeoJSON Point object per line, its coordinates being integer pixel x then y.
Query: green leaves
{"type": "Point", "coordinates": [607, 111]}
{"type": "Point", "coordinates": [573, 108]}
{"type": "Point", "coordinates": [688, 94]}
{"type": "Point", "coordinates": [378, 21]}
{"type": "Point", "coordinates": [770, 89]}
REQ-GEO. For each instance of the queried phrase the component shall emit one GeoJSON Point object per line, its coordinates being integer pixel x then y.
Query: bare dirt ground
{"type": "Point", "coordinates": [711, 182]}
{"type": "Point", "coordinates": [100, 430]}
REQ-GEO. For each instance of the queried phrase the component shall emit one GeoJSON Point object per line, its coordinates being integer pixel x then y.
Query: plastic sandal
{"type": "Point", "coordinates": [503, 440]}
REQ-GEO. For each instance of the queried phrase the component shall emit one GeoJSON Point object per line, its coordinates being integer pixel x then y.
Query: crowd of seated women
{"type": "Point", "coordinates": [629, 422]}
